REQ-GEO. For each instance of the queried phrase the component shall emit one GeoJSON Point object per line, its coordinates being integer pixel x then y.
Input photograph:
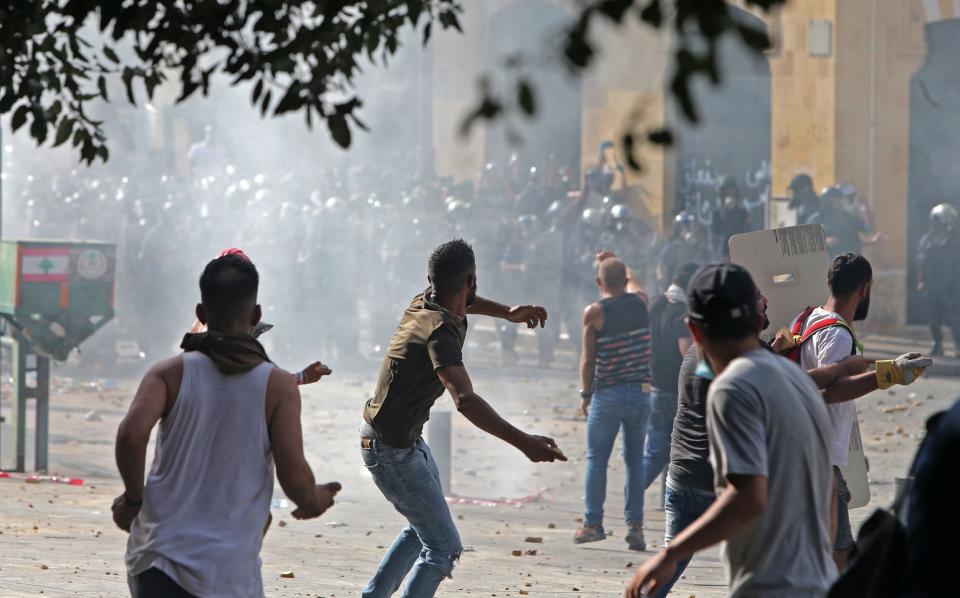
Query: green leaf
{"type": "Point", "coordinates": [265, 104]}
{"type": "Point", "coordinates": [54, 111]}
{"type": "Point", "coordinates": [681, 92]}
{"type": "Point", "coordinates": [629, 147]}
{"type": "Point", "coordinates": [188, 86]}
{"type": "Point", "coordinates": [426, 33]}
{"type": "Point", "coordinates": [414, 9]}
{"type": "Point", "coordinates": [292, 100]}
{"type": "Point", "coordinates": [7, 101]}
{"type": "Point", "coordinates": [257, 90]}
{"type": "Point", "coordinates": [615, 9]}
{"type": "Point", "coordinates": [339, 129]}
{"type": "Point", "coordinates": [526, 99]}
{"type": "Point", "coordinates": [578, 50]}
{"type": "Point", "coordinates": [19, 117]}
{"type": "Point", "coordinates": [102, 85]}
{"type": "Point", "coordinates": [111, 55]}
{"type": "Point", "coordinates": [652, 14]}
{"type": "Point", "coordinates": [64, 130]}
{"type": "Point", "coordinates": [127, 78]}
{"type": "Point", "coordinates": [38, 129]}
{"type": "Point", "coordinates": [448, 19]}
{"type": "Point", "coordinates": [754, 37]}
{"type": "Point", "coordinates": [488, 109]}
{"type": "Point", "coordinates": [660, 136]}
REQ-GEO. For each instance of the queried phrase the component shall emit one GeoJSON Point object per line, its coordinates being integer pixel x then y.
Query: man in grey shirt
{"type": "Point", "coordinates": [769, 436]}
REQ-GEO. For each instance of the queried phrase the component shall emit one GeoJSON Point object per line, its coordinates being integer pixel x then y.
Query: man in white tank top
{"type": "Point", "coordinates": [226, 415]}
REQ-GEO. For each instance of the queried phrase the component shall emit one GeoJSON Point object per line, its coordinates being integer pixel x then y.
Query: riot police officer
{"type": "Point", "coordinates": [685, 245]}
{"type": "Point", "coordinates": [730, 217]}
{"type": "Point", "coordinates": [938, 276]}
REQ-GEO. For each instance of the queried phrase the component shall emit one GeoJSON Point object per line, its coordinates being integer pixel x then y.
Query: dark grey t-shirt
{"type": "Point", "coordinates": [689, 448]}
{"type": "Point", "coordinates": [766, 417]}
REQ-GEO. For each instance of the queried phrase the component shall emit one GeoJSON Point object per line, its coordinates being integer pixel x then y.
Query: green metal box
{"type": "Point", "coordinates": [56, 293]}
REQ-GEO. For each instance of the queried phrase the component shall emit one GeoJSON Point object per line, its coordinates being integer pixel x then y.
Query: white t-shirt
{"type": "Point", "coordinates": [765, 417]}
{"type": "Point", "coordinates": [827, 346]}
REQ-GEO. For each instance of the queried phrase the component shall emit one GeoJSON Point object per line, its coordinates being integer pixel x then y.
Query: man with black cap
{"type": "Point", "coordinates": [769, 437]}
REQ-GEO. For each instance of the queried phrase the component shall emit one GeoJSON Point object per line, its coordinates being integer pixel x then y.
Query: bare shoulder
{"type": "Point", "coordinates": [593, 313]}
{"type": "Point", "coordinates": [280, 381]}
{"type": "Point", "coordinates": [169, 370]}
{"type": "Point", "coordinates": [171, 365]}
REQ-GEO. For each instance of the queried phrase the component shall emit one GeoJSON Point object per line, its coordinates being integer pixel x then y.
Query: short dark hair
{"type": "Point", "coordinates": [684, 273]}
{"type": "Point", "coordinates": [229, 285]}
{"type": "Point", "coordinates": [449, 266]}
{"type": "Point", "coordinates": [848, 273]}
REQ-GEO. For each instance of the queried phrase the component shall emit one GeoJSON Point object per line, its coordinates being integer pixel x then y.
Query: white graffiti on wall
{"type": "Point", "coordinates": [700, 182]}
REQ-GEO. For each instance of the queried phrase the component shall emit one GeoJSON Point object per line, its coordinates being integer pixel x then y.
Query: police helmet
{"type": "Point", "coordinates": [944, 214]}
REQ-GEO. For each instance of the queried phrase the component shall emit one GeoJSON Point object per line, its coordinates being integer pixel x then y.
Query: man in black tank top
{"type": "Point", "coordinates": [615, 378]}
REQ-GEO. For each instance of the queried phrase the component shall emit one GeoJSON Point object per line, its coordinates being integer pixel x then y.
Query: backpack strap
{"type": "Point", "coordinates": [822, 325]}
{"type": "Point", "coordinates": [801, 322]}
{"type": "Point", "coordinates": [801, 336]}
{"type": "Point", "coordinates": [796, 333]}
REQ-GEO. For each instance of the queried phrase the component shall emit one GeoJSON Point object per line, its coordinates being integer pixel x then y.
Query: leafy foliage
{"type": "Point", "coordinates": [296, 56]}
{"type": "Point", "coordinates": [698, 26]}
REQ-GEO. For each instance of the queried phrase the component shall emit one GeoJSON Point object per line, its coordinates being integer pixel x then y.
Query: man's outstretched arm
{"type": "Point", "coordinates": [531, 315]}
{"type": "Point", "coordinates": [457, 382]}
{"type": "Point", "coordinates": [826, 376]}
{"type": "Point", "coordinates": [286, 443]}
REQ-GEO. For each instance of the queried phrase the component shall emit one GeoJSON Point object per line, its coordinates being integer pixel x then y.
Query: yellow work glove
{"type": "Point", "coordinates": [904, 370]}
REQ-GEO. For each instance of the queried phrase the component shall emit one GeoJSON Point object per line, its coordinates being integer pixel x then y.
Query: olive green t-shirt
{"type": "Point", "coordinates": [428, 338]}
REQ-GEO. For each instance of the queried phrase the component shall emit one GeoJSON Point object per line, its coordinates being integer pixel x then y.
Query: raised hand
{"type": "Point", "coordinates": [313, 372]}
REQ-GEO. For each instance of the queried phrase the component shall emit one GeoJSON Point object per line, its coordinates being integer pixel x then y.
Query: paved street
{"type": "Point", "coordinates": [59, 540]}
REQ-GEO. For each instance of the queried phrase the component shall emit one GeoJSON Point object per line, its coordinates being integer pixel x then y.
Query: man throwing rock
{"type": "Point", "coordinates": [423, 359]}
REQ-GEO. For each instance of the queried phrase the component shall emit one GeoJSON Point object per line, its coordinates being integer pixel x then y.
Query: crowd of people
{"type": "Point", "coordinates": [758, 433]}
{"type": "Point", "coordinates": [537, 225]}
{"type": "Point", "coordinates": [670, 358]}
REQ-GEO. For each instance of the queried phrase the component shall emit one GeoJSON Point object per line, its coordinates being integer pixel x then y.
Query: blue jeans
{"type": "Point", "coordinates": [663, 409]}
{"type": "Point", "coordinates": [430, 544]}
{"type": "Point", "coordinates": [684, 505]}
{"type": "Point", "coordinates": [625, 409]}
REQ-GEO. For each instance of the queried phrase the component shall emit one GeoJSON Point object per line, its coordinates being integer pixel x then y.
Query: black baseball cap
{"type": "Point", "coordinates": [722, 298]}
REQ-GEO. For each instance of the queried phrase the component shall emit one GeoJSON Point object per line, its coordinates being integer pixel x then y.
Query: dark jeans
{"type": "Point", "coordinates": [656, 453]}
{"type": "Point", "coordinates": [154, 583]}
{"type": "Point", "coordinates": [684, 506]}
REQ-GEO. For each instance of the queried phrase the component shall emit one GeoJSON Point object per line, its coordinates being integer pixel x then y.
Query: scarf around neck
{"type": "Point", "coordinates": [231, 353]}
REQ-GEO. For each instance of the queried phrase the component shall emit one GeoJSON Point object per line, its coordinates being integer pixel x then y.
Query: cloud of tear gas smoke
{"type": "Point", "coordinates": [341, 238]}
